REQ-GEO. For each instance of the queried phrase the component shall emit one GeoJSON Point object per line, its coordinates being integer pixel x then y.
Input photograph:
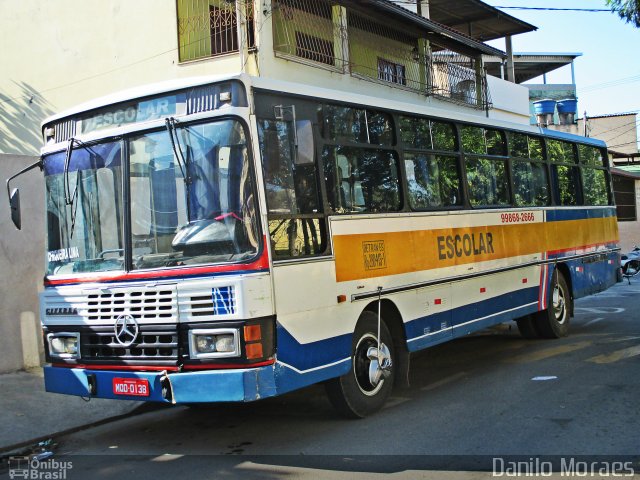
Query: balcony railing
{"type": "Point", "coordinates": [328, 35]}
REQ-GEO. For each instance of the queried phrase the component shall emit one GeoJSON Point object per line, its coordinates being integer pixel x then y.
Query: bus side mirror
{"type": "Point", "coordinates": [14, 203]}
{"type": "Point", "coordinates": [304, 149]}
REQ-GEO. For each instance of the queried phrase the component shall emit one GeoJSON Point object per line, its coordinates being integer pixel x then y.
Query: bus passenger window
{"type": "Point", "coordinates": [525, 146]}
{"type": "Point", "coordinates": [561, 152]}
{"type": "Point", "coordinates": [487, 179]}
{"type": "Point", "coordinates": [290, 188]}
{"type": "Point", "coordinates": [296, 237]}
{"type": "Point", "coordinates": [433, 181]}
{"type": "Point", "coordinates": [566, 183]}
{"type": "Point", "coordinates": [594, 183]}
{"type": "Point", "coordinates": [591, 156]}
{"type": "Point", "coordinates": [482, 141]}
{"type": "Point", "coordinates": [357, 125]}
{"type": "Point", "coordinates": [361, 180]}
{"type": "Point", "coordinates": [530, 184]}
{"type": "Point", "coordinates": [425, 134]}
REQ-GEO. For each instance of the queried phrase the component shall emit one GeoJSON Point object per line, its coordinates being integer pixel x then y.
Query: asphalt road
{"type": "Point", "coordinates": [490, 396]}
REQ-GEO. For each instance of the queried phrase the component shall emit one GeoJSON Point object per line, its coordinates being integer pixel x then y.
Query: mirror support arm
{"type": "Point", "coordinates": [24, 170]}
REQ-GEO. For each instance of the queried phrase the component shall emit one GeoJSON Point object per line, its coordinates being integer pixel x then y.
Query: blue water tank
{"type": "Point", "coordinates": [568, 105]}
{"type": "Point", "coordinates": [544, 106]}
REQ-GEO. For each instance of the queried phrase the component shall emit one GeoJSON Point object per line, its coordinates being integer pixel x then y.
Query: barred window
{"type": "Point", "coordinates": [391, 72]}
{"type": "Point", "coordinates": [209, 28]}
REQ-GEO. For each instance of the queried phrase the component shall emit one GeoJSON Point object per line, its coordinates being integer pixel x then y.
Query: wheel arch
{"type": "Point", "coordinates": [564, 269]}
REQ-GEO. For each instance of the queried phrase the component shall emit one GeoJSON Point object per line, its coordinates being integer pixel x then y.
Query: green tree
{"type": "Point", "coordinates": [628, 10]}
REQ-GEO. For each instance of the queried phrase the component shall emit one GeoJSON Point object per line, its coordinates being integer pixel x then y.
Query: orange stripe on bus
{"type": "Point", "coordinates": [372, 255]}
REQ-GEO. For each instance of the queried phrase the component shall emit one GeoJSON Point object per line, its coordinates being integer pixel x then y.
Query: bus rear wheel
{"type": "Point", "coordinates": [554, 321]}
{"type": "Point", "coordinates": [366, 387]}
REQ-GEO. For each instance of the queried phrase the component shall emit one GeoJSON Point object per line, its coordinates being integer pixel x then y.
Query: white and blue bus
{"type": "Point", "coordinates": [232, 239]}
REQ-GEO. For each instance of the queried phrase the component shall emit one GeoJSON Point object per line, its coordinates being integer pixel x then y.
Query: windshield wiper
{"type": "Point", "coordinates": [69, 197]}
{"type": "Point", "coordinates": [180, 159]}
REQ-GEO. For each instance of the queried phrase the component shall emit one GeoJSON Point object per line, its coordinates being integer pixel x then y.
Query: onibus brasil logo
{"type": "Point", "coordinates": [38, 469]}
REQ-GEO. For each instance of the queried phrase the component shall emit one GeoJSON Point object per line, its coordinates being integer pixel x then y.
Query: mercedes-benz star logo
{"type": "Point", "coordinates": [126, 330]}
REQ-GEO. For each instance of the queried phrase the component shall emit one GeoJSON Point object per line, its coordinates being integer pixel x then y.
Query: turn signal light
{"type": "Point", "coordinates": [252, 333]}
{"type": "Point", "coordinates": [254, 350]}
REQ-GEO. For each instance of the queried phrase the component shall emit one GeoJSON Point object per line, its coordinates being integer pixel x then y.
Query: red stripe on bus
{"type": "Point", "coordinates": [582, 247]}
{"type": "Point", "coordinates": [222, 366]}
{"type": "Point", "coordinates": [261, 263]}
{"type": "Point", "coordinates": [129, 368]}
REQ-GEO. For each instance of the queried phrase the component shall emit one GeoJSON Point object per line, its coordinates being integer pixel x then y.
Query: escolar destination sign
{"type": "Point", "coordinates": [124, 114]}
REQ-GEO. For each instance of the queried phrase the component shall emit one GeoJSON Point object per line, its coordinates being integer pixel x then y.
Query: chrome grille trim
{"type": "Point", "coordinates": [158, 303]}
{"type": "Point", "coordinates": [153, 343]}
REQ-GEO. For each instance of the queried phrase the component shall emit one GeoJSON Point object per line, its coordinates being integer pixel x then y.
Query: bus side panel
{"type": "Point", "coordinates": [314, 331]}
{"type": "Point", "coordinates": [590, 230]}
{"type": "Point", "coordinates": [495, 310]}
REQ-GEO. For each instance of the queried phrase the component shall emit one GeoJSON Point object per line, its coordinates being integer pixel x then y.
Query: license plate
{"type": "Point", "coordinates": [137, 387]}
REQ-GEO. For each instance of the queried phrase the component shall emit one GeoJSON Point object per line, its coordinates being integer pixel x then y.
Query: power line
{"type": "Point", "coordinates": [611, 83]}
{"type": "Point", "coordinates": [555, 9]}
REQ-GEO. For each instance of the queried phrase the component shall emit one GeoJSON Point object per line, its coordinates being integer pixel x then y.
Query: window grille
{"type": "Point", "coordinates": [304, 29]}
{"type": "Point", "coordinates": [208, 28]}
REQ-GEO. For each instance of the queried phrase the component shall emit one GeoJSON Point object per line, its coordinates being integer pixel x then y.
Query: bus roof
{"type": "Point", "coordinates": [284, 87]}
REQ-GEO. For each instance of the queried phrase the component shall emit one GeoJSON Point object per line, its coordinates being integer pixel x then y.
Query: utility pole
{"type": "Point", "coordinates": [586, 133]}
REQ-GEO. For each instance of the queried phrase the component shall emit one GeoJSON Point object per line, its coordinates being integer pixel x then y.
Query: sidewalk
{"type": "Point", "coordinates": [28, 413]}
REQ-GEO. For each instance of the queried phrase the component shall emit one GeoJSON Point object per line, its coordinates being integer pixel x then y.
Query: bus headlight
{"type": "Point", "coordinates": [64, 345]}
{"type": "Point", "coordinates": [214, 343]}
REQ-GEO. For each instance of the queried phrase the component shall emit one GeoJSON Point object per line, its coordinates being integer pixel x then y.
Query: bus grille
{"type": "Point", "coordinates": [140, 304]}
{"type": "Point", "coordinates": [153, 343]}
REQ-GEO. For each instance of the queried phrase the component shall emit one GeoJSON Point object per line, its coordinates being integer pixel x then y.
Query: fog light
{"type": "Point", "coordinates": [64, 345]}
{"type": "Point", "coordinates": [214, 343]}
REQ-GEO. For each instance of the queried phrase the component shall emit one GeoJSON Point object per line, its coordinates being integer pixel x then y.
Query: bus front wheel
{"type": "Point", "coordinates": [366, 387]}
{"type": "Point", "coordinates": [554, 321]}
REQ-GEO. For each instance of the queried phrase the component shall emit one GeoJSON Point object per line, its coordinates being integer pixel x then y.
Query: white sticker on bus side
{"type": "Point", "coordinates": [63, 254]}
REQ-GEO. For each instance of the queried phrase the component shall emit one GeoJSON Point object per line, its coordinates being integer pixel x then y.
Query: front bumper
{"type": "Point", "coordinates": [241, 385]}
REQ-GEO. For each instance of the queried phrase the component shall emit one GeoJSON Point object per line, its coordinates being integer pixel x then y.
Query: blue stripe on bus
{"type": "Point", "coordinates": [579, 214]}
{"type": "Point", "coordinates": [308, 358]}
{"type": "Point", "coordinates": [433, 329]}
{"type": "Point", "coordinates": [311, 355]}
{"type": "Point", "coordinates": [571, 137]}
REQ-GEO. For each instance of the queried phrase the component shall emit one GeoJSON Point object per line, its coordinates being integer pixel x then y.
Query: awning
{"type": "Point", "coordinates": [437, 32]}
{"type": "Point", "coordinates": [530, 65]}
{"type": "Point", "coordinates": [477, 19]}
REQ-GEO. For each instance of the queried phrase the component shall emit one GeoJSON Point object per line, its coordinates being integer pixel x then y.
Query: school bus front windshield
{"type": "Point", "coordinates": [195, 211]}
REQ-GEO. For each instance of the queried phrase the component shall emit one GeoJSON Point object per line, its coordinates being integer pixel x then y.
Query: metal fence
{"type": "Point", "coordinates": [458, 78]}
{"type": "Point", "coordinates": [320, 33]}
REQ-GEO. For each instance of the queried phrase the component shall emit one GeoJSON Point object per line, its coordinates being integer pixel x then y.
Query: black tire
{"type": "Point", "coordinates": [554, 321]}
{"type": "Point", "coordinates": [352, 394]}
{"type": "Point", "coordinates": [527, 327]}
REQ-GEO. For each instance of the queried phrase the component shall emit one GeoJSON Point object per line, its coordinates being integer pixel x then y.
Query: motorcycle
{"type": "Point", "coordinates": [630, 263]}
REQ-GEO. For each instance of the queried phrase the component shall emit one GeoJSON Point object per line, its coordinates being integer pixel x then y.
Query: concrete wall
{"type": "Point", "coordinates": [619, 131]}
{"type": "Point", "coordinates": [630, 231]}
{"type": "Point", "coordinates": [67, 52]}
{"type": "Point", "coordinates": [21, 267]}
